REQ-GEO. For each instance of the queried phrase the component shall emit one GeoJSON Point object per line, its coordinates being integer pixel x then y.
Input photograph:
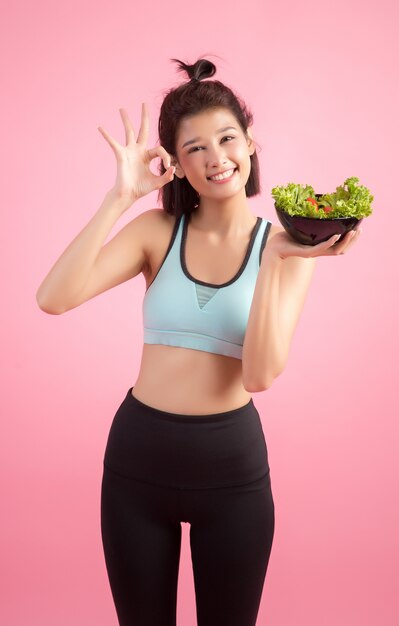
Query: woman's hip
{"type": "Point", "coordinates": [187, 451]}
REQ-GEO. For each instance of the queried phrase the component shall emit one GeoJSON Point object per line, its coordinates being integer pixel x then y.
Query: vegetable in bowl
{"type": "Point", "coordinates": [311, 218]}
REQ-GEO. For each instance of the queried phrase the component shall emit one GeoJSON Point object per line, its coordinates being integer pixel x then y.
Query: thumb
{"type": "Point", "coordinates": [169, 174]}
{"type": "Point", "coordinates": [166, 177]}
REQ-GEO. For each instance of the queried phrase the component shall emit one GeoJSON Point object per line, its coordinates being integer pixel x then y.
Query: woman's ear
{"type": "Point", "coordinates": [178, 172]}
{"type": "Point", "coordinates": [250, 141]}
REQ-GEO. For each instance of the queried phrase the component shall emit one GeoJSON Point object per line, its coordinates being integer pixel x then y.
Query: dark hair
{"type": "Point", "coordinates": [188, 99]}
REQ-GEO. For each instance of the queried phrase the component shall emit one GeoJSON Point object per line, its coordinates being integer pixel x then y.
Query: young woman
{"type": "Point", "coordinates": [225, 290]}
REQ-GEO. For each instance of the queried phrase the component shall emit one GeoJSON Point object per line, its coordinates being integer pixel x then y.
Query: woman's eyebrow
{"type": "Point", "coordinates": [221, 130]}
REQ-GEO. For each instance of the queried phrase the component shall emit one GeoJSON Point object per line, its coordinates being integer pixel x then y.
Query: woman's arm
{"type": "Point", "coordinates": [87, 267]}
{"type": "Point", "coordinates": [278, 300]}
{"type": "Point", "coordinates": [282, 284]}
{"type": "Point", "coordinates": [61, 288]}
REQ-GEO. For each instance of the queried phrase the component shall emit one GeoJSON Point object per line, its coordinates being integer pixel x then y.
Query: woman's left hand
{"type": "Point", "coordinates": [283, 245]}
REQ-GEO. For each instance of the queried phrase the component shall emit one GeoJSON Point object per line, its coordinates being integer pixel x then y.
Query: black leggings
{"type": "Point", "coordinates": [211, 471]}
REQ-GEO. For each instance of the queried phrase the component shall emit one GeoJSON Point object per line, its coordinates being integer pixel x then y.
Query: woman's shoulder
{"type": "Point", "coordinates": [159, 217]}
{"type": "Point", "coordinates": [274, 228]}
{"type": "Point", "coordinates": [156, 224]}
{"type": "Point", "coordinates": [158, 230]}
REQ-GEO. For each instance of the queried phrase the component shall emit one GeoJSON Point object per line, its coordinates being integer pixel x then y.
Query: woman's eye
{"type": "Point", "coordinates": [195, 148]}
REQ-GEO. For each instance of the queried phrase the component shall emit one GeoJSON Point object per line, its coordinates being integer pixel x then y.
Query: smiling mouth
{"type": "Point", "coordinates": [221, 179]}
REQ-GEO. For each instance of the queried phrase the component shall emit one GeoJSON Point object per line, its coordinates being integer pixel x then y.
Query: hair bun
{"type": "Point", "coordinates": [200, 70]}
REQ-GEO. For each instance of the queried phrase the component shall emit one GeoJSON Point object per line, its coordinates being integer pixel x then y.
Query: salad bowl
{"type": "Point", "coordinates": [311, 218]}
{"type": "Point", "coordinates": [311, 231]}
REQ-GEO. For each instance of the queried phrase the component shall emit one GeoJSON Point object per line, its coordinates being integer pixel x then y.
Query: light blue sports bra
{"type": "Point", "coordinates": [180, 310]}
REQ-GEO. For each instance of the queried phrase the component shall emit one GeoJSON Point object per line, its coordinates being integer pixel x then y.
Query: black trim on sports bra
{"type": "Point", "coordinates": [264, 238]}
{"type": "Point", "coordinates": [243, 264]}
{"type": "Point", "coordinates": [171, 242]}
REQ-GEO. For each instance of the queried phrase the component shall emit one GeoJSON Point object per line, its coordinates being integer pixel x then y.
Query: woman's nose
{"type": "Point", "coordinates": [216, 156]}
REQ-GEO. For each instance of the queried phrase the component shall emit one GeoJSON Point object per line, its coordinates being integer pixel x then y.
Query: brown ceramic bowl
{"type": "Point", "coordinates": [311, 231]}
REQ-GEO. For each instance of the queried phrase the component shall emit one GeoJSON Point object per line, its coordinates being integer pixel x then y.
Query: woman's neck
{"type": "Point", "coordinates": [228, 219]}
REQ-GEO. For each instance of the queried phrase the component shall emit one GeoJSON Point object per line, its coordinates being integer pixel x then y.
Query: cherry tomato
{"type": "Point", "coordinates": [313, 201]}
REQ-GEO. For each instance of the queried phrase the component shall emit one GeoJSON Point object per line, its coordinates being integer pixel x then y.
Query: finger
{"type": "Point", "coordinates": [330, 246]}
{"type": "Point", "coordinates": [112, 142]}
{"type": "Point", "coordinates": [167, 177]}
{"type": "Point", "coordinates": [129, 131]}
{"type": "Point", "coordinates": [145, 125]}
{"type": "Point", "coordinates": [354, 236]}
{"type": "Point", "coordinates": [160, 152]}
{"type": "Point", "coordinates": [349, 238]}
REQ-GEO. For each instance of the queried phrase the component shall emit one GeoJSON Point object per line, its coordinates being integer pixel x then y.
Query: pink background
{"type": "Point", "coordinates": [321, 79]}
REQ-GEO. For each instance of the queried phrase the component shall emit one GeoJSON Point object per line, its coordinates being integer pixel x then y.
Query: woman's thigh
{"type": "Point", "coordinates": [141, 539]}
{"type": "Point", "coordinates": [231, 538]}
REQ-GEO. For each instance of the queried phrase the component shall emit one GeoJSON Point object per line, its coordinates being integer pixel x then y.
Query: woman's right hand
{"type": "Point", "coordinates": [134, 178]}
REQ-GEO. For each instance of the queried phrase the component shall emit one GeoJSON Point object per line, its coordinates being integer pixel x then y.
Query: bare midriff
{"type": "Point", "coordinates": [192, 382]}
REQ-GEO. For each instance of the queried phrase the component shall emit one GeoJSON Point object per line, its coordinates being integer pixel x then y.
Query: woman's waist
{"type": "Point", "coordinates": [195, 382]}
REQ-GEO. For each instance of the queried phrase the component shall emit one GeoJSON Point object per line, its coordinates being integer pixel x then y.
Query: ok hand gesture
{"type": "Point", "coordinates": [134, 178]}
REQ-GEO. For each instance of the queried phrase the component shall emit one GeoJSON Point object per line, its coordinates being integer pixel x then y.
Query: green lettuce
{"type": "Point", "coordinates": [349, 200]}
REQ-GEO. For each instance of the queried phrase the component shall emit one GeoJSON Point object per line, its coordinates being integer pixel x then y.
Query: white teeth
{"type": "Point", "coordinates": [221, 176]}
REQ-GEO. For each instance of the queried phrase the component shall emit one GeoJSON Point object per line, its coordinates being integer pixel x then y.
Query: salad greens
{"type": "Point", "coordinates": [349, 200]}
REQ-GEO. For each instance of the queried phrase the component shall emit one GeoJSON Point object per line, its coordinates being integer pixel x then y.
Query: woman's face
{"type": "Point", "coordinates": [209, 143]}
